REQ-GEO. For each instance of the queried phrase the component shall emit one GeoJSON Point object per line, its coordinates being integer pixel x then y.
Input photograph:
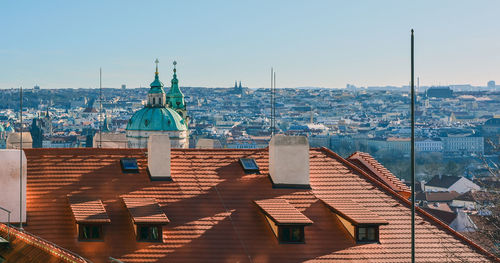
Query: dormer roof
{"type": "Point", "coordinates": [282, 212]}
{"type": "Point", "coordinates": [88, 210]}
{"type": "Point", "coordinates": [353, 212]}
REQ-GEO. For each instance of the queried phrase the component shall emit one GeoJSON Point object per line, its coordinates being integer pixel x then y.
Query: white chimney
{"type": "Point", "coordinates": [159, 157]}
{"type": "Point", "coordinates": [9, 185]}
{"type": "Point", "coordinates": [289, 161]}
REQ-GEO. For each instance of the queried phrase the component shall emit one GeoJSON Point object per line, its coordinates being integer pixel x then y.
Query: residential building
{"type": "Point", "coordinates": [445, 183]}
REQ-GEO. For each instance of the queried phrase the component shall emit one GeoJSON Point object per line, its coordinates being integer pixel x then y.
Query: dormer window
{"type": "Point", "coordinates": [286, 222]}
{"type": "Point", "coordinates": [361, 223]}
{"type": "Point", "coordinates": [90, 217]}
{"type": "Point", "coordinates": [129, 165]}
{"type": "Point", "coordinates": [367, 234]}
{"type": "Point", "coordinates": [152, 233]}
{"type": "Point", "coordinates": [291, 234]}
{"type": "Point", "coordinates": [90, 232]}
{"type": "Point", "coordinates": [147, 217]}
{"type": "Point", "coordinates": [249, 165]}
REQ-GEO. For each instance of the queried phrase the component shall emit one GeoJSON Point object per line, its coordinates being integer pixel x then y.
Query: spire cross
{"type": "Point", "coordinates": [157, 61]}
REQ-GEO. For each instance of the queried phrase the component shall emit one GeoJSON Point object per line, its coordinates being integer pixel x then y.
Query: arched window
{"type": "Point", "coordinates": [153, 101]}
{"type": "Point", "coordinates": [159, 101]}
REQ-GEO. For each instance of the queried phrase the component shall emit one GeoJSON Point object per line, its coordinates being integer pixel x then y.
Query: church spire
{"type": "Point", "coordinates": [156, 82]}
{"type": "Point", "coordinates": [175, 96]}
{"type": "Point", "coordinates": [156, 95]}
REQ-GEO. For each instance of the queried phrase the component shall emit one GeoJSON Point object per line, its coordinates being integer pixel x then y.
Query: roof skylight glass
{"type": "Point", "coordinates": [129, 165]}
{"type": "Point", "coordinates": [249, 165]}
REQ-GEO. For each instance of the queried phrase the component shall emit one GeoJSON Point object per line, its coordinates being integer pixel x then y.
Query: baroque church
{"type": "Point", "coordinates": [164, 113]}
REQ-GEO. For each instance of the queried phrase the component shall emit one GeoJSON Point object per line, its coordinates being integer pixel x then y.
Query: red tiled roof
{"type": "Point", "coordinates": [212, 215]}
{"type": "Point", "coordinates": [372, 167]}
{"type": "Point", "coordinates": [353, 212]}
{"type": "Point", "coordinates": [86, 210]}
{"type": "Point", "coordinates": [282, 212]}
{"type": "Point", "coordinates": [26, 248]}
{"type": "Point", "coordinates": [437, 196]}
{"type": "Point", "coordinates": [145, 210]}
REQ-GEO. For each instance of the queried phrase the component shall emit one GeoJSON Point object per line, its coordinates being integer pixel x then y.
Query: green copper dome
{"type": "Point", "coordinates": [156, 119]}
{"type": "Point", "coordinates": [156, 85]}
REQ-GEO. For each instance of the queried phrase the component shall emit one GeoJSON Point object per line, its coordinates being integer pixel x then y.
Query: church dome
{"type": "Point", "coordinates": [156, 119]}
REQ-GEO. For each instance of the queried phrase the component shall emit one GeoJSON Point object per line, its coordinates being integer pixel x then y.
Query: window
{"type": "Point", "coordinates": [149, 233]}
{"type": "Point", "coordinates": [90, 232]}
{"type": "Point", "coordinates": [154, 101]}
{"type": "Point", "coordinates": [129, 165]}
{"type": "Point", "coordinates": [291, 234]}
{"type": "Point", "coordinates": [249, 165]}
{"type": "Point", "coordinates": [367, 234]}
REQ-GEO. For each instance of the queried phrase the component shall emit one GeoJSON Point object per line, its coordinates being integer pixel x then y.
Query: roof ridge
{"type": "Point", "coordinates": [408, 203]}
{"type": "Point", "coordinates": [384, 174]}
{"type": "Point", "coordinates": [44, 245]}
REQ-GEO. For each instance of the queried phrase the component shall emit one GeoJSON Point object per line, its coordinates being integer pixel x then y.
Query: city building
{"type": "Point", "coordinates": [449, 183]}
{"type": "Point", "coordinates": [439, 92]}
{"type": "Point", "coordinates": [429, 145]}
{"type": "Point", "coordinates": [463, 145]}
{"type": "Point", "coordinates": [491, 84]}
{"type": "Point", "coordinates": [164, 113]}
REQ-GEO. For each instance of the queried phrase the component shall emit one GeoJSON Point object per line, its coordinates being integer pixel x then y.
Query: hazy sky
{"type": "Point", "coordinates": [310, 43]}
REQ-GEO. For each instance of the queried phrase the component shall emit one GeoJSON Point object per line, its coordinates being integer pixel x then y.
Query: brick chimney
{"type": "Point", "coordinates": [159, 157]}
{"type": "Point", "coordinates": [9, 185]}
{"type": "Point", "coordinates": [289, 161]}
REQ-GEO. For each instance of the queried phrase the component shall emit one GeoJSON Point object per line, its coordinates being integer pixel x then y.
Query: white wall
{"type": "Point", "coordinates": [289, 160]}
{"type": "Point", "coordinates": [9, 185]}
{"type": "Point", "coordinates": [464, 185]}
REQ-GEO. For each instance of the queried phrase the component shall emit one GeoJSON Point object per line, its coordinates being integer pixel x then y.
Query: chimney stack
{"type": "Point", "coordinates": [289, 161]}
{"type": "Point", "coordinates": [9, 186]}
{"type": "Point", "coordinates": [159, 157]}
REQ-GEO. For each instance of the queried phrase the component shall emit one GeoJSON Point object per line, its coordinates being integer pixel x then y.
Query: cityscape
{"type": "Point", "coordinates": [159, 165]}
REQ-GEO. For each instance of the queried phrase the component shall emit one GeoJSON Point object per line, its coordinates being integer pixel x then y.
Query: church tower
{"type": "Point", "coordinates": [176, 97]}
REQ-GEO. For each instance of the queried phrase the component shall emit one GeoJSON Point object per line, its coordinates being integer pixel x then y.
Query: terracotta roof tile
{"type": "Point", "coordinates": [371, 166]}
{"type": "Point", "coordinates": [212, 215]}
{"type": "Point", "coordinates": [27, 248]}
{"type": "Point", "coordinates": [87, 210]}
{"type": "Point", "coordinates": [437, 196]}
{"type": "Point", "coordinates": [353, 212]}
{"type": "Point", "coordinates": [145, 210]}
{"type": "Point", "coordinates": [281, 212]}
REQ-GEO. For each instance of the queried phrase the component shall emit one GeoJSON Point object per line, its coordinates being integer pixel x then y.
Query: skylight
{"type": "Point", "coordinates": [249, 165]}
{"type": "Point", "coordinates": [129, 165]}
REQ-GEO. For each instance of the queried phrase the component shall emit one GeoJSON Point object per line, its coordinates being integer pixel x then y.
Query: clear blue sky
{"type": "Point", "coordinates": [310, 43]}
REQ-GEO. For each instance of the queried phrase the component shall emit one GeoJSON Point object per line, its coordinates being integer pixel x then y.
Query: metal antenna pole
{"type": "Point", "coordinates": [274, 104]}
{"type": "Point", "coordinates": [21, 158]}
{"type": "Point", "coordinates": [100, 107]}
{"type": "Point", "coordinates": [412, 152]}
